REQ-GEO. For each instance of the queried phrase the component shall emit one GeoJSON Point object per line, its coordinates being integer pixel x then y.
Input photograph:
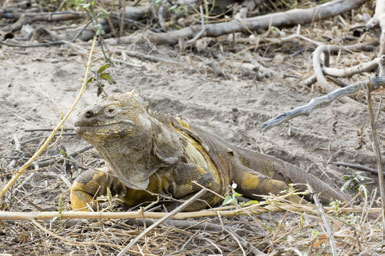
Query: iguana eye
{"type": "Point", "coordinates": [111, 111]}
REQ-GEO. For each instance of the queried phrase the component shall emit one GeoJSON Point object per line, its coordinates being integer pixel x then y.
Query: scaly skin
{"type": "Point", "coordinates": [148, 154]}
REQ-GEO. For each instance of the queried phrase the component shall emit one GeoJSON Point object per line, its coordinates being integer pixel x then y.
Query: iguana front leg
{"type": "Point", "coordinates": [184, 180]}
{"type": "Point", "coordinates": [91, 184]}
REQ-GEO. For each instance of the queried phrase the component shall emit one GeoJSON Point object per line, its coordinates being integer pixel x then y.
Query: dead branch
{"type": "Point", "coordinates": [356, 166]}
{"type": "Point", "coordinates": [379, 19]}
{"type": "Point", "coordinates": [28, 18]}
{"type": "Point", "coordinates": [375, 83]}
{"type": "Point", "coordinates": [289, 18]}
{"type": "Point", "coordinates": [33, 45]}
{"type": "Point", "coordinates": [136, 12]}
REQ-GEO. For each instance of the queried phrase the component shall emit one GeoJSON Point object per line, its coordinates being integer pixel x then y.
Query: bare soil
{"type": "Point", "coordinates": [38, 85]}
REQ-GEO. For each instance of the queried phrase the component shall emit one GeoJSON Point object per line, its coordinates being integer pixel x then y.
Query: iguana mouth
{"type": "Point", "coordinates": [92, 129]}
{"type": "Point", "coordinates": [96, 127]}
{"type": "Point", "coordinates": [94, 124]}
{"type": "Point", "coordinates": [84, 126]}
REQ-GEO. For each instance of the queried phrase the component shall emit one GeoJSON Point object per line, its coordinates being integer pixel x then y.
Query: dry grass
{"type": "Point", "coordinates": [276, 227]}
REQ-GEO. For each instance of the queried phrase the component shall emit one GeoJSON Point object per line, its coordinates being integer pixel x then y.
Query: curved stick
{"type": "Point", "coordinates": [327, 50]}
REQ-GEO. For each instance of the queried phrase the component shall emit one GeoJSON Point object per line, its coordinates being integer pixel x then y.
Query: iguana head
{"type": "Point", "coordinates": [119, 127]}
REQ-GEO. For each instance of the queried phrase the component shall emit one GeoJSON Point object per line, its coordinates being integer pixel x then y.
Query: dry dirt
{"type": "Point", "coordinates": [38, 85]}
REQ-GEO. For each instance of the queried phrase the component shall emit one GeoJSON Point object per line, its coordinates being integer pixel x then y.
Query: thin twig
{"type": "Point", "coordinates": [166, 217]}
{"type": "Point", "coordinates": [378, 155]}
{"type": "Point", "coordinates": [160, 15]}
{"type": "Point", "coordinates": [76, 36]}
{"type": "Point", "coordinates": [43, 137]}
{"type": "Point", "coordinates": [236, 238]}
{"type": "Point", "coordinates": [203, 29]}
{"type": "Point", "coordinates": [356, 166]}
{"type": "Point", "coordinates": [73, 154]}
{"type": "Point", "coordinates": [47, 130]}
{"type": "Point", "coordinates": [150, 57]}
{"type": "Point", "coordinates": [242, 242]}
{"type": "Point", "coordinates": [61, 42]}
{"type": "Point", "coordinates": [328, 227]}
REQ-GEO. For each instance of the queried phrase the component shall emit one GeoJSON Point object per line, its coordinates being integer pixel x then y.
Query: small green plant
{"type": "Point", "coordinates": [72, 4]}
{"type": "Point", "coordinates": [355, 182]}
{"type": "Point", "coordinates": [232, 198]}
{"type": "Point", "coordinates": [83, 4]}
{"type": "Point", "coordinates": [315, 233]}
{"type": "Point", "coordinates": [178, 9]}
{"type": "Point", "coordinates": [335, 205]}
{"type": "Point", "coordinates": [98, 79]}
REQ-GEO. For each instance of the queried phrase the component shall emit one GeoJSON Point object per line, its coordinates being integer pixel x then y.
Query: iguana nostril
{"type": "Point", "coordinates": [89, 114]}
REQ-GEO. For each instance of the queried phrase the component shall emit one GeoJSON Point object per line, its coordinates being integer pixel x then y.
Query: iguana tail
{"type": "Point", "coordinates": [288, 173]}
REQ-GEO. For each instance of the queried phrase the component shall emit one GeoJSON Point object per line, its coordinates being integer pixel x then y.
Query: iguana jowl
{"type": "Point", "coordinates": [148, 154]}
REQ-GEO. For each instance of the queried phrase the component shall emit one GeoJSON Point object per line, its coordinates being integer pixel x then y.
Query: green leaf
{"type": "Point", "coordinates": [63, 153]}
{"type": "Point", "coordinates": [99, 29]}
{"type": "Point", "coordinates": [235, 194]}
{"type": "Point", "coordinates": [85, 6]}
{"type": "Point", "coordinates": [228, 200]}
{"type": "Point", "coordinates": [107, 77]}
{"type": "Point", "coordinates": [102, 68]}
{"type": "Point", "coordinates": [253, 202]}
{"type": "Point", "coordinates": [91, 80]}
{"type": "Point", "coordinates": [172, 7]}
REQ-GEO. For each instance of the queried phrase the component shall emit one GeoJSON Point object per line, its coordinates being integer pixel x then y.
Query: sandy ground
{"type": "Point", "coordinates": [38, 85]}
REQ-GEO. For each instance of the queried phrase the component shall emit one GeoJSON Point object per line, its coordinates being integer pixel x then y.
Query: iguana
{"type": "Point", "coordinates": [149, 154]}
